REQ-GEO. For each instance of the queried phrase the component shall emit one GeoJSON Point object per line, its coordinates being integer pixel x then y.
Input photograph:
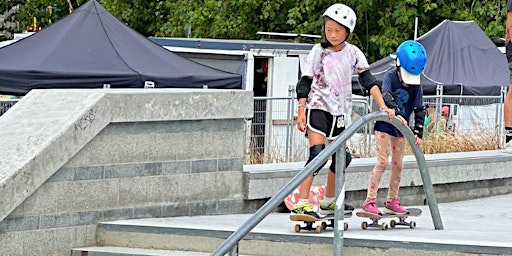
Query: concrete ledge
{"type": "Point", "coordinates": [479, 233]}
{"type": "Point", "coordinates": [126, 251]}
{"type": "Point", "coordinates": [263, 181]}
{"type": "Point", "coordinates": [47, 128]}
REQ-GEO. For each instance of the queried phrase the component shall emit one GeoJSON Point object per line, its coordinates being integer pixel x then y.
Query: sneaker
{"type": "Point", "coordinates": [327, 209]}
{"type": "Point", "coordinates": [508, 140]}
{"type": "Point", "coordinates": [508, 146]}
{"type": "Point", "coordinates": [305, 208]}
{"type": "Point", "coordinates": [370, 205]}
{"type": "Point", "coordinates": [394, 207]}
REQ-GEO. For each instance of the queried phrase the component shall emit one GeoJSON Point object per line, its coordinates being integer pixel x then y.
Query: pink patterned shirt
{"type": "Point", "coordinates": [331, 89]}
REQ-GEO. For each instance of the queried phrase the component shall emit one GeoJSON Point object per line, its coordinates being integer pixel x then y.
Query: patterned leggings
{"type": "Point", "coordinates": [385, 142]}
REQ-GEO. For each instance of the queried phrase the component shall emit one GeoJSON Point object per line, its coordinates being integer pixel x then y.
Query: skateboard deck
{"type": "Point", "coordinates": [317, 224]}
{"type": "Point", "coordinates": [316, 194]}
{"type": "Point", "coordinates": [402, 219]}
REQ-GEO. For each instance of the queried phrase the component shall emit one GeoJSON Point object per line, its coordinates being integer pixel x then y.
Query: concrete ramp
{"type": "Point", "coordinates": [40, 134]}
{"type": "Point", "coordinates": [47, 128]}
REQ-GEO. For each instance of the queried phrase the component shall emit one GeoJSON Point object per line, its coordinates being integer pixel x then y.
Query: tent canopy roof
{"type": "Point", "coordinates": [91, 47]}
{"type": "Point", "coordinates": [461, 58]}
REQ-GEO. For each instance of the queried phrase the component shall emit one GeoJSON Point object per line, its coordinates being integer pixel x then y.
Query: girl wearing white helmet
{"type": "Point", "coordinates": [325, 97]}
{"type": "Point", "coordinates": [402, 91]}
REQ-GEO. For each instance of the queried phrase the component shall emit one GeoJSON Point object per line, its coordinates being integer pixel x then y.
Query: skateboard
{"type": "Point", "coordinates": [402, 219]}
{"type": "Point", "coordinates": [316, 194]}
{"type": "Point", "coordinates": [317, 224]}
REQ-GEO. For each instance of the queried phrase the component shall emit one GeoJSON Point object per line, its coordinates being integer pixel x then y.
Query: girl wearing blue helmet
{"type": "Point", "coordinates": [402, 91]}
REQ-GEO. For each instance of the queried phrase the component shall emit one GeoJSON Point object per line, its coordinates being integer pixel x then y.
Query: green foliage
{"type": "Point", "coordinates": [382, 24]}
{"type": "Point", "coordinates": [143, 16]}
{"type": "Point", "coordinates": [7, 23]}
{"type": "Point", "coordinates": [42, 13]}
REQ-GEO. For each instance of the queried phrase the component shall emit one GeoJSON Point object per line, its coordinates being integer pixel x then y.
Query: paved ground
{"type": "Point", "coordinates": [480, 225]}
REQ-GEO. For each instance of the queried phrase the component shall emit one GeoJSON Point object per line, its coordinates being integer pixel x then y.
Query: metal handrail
{"type": "Point", "coordinates": [231, 243]}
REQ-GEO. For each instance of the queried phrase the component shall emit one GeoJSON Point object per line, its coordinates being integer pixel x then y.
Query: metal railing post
{"type": "Point", "coordinates": [339, 212]}
{"type": "Point", "coordinates": [288, 142]}
{"type": "Point", "coordinates": [337, 145]}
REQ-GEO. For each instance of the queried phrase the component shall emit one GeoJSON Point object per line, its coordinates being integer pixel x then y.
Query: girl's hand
{"type": "Point", "coordinates": [301, 121]}
{"type": "Point", "coordinates": [390, 111]}
{"type": "Point", "coordinates": [418, 141]}
{"type": "Point", "coordinates": [404, 122]}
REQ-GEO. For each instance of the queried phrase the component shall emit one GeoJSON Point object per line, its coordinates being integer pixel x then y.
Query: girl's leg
{"type": "Point", "coordinates": [330, 187]}
{"type": "Point", "coordinates": [304, 206]}
{"type": "Point", "coordinates": [397, 156]}
{"type": "Point", "coordinates": [382, 150]}
{"type": "Point", "coordinates": [314, 139]}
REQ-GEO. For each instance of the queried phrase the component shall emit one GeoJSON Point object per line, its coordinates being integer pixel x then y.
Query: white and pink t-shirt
{"type": "Point", "coordinates": [331, 71]}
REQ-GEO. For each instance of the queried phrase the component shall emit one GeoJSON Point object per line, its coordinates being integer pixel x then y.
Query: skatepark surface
{"type": "Point", "coordinates": [480, 226]}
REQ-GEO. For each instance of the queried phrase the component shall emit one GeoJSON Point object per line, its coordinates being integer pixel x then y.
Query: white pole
{"type": "Point", "coordinates": [415, 28]}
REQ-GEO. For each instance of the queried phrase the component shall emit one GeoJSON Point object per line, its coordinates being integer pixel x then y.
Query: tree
{"type": "Point", "coordinates": [144, 16]}
{"type": "Point", "coordinates": [396, 19]}
{"type": "Point", "coordinates": [382, 24]}
{"type": "Point", "coordinates": [8, 24]}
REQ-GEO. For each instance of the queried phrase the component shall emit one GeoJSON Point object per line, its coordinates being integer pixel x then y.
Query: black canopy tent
{"type": "Point", "coordinates": [89, 48]}
{"type": "Point", "coordinates": [461, 58]}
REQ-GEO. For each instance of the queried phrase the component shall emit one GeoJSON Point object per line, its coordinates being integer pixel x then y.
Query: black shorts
{"type": "Point", "coordinates": [324, 123]}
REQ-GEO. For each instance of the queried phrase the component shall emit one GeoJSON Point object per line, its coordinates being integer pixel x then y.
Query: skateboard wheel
{"type": "Point", "coordinates": [318, 229]}
{"type": "Point", "coordinates": [345, 226]}
{"type": "Point", "coordinates": [364, 225]}
{"type": "Point", "coordinates": [384, 226]}
{"type": "Point", "coordinates": [297, 228]}
{"type": "Point", "coordinates": [412, 224]}
{"type": "Point", "coordinates": [324, 226]}
{"type": "Point", "coordinates": [392, 223]}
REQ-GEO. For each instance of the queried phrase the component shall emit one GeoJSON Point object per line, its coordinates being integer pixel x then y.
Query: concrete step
{"type": "Point", "coordinates": [205, 233]}
{"type": "Point", "coordinates": [468, 230]}
{"type": "Point", "coordinates": [126, 251]}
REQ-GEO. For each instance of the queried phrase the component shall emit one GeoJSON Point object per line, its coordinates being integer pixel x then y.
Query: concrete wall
{"type": "Point", "coordinates": [120, 154]}
{"type": "Point", "coordinates": [455, 176]}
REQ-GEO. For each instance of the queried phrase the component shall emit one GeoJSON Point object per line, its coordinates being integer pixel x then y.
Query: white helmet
{"type": "Point", "coordinates": [342, 14]}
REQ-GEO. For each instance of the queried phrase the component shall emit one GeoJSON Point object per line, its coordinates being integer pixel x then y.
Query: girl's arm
{"type": "Point", "coordinates": [419, 116]}
{"type": "Point", "coordinates": [368, 81]}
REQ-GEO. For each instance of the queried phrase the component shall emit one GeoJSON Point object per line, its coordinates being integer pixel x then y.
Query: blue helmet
{"type": "Point", "coordinates": [412, 57]}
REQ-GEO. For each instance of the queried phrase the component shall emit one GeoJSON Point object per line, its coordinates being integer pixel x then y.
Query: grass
{"type": "Point", "coordinates": [459, 142]}
{"type": "Point", "coordinates": [434, 143]}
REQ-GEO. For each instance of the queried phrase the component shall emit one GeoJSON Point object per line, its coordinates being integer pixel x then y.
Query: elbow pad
{"type": "Point", "coordinates": [419, 119]}
{"type": "Point", "coordinates": [390, 102]}
{"type": "Point", "coordinates": [367, 80]}
{"type": "Point", "coordinates": [303, 87]}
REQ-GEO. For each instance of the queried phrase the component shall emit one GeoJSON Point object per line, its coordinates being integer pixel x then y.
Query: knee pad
{"type": "Point", "coordinates": [313, 152]}
{"type": "Point", "coordinates": [348, 159]}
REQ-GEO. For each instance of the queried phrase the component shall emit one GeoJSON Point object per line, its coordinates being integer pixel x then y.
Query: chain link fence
{"type": "Point", "coordinates": [274, 137]}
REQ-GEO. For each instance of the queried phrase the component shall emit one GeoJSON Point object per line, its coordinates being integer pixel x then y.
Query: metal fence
{"type": "Point", "coordinates": [6, 104]}
{"type": "Point", "coordinates": [471, 114]}
{"type": "Point", "coordinates": [275, 138]}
